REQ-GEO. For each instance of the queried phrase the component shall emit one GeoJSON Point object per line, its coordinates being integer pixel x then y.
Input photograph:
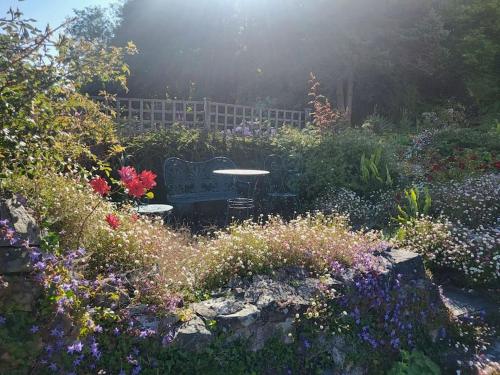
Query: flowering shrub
{"type": "Point", "coordinates": [373, 211]}
{"type": "Point", "coordinates": [116, 240]}
{"type": "Point", "coordinates": [475, 253]}
{"type": "Point", "coordinates": [472, 202]}
{"type": "Point", "coordinates": [312, 242]}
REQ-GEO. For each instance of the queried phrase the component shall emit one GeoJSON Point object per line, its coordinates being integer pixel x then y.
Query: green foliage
{"type": "Point", "coordinates": [370, 169]}
{"type": "Point", "coordinates": [415, 205]}
{"type": "Point", "coordinates": [415, 363]}
{"type": "Point", "coordinates": [47, 124]}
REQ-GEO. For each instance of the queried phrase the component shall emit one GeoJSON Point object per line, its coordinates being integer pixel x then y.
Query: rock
{"type": "Point", "coordinates": [21, 293]}
{"type": "Point", "coordinates": [406, 263]}
{"type": "Point", "coordinates": [21, 220]}
{"type": "Point", "coordinates": [211, 308]}
{"type": "Point", "coordinates": [14, 260]}
{"type": "Point", "coordinates": [193, 335]}
{"type": "Point", "coordinates": [242, 318]}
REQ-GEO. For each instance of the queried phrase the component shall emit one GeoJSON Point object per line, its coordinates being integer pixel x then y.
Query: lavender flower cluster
{"type": "Point", "coordinates": [85, 313]}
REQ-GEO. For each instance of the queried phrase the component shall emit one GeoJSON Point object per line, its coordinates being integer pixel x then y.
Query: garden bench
{"type": "Point", "coordinates": [188, 182]}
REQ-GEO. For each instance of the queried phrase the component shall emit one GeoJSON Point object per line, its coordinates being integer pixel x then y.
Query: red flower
{"type": "Point", "coordinates": [135, 188]}
{"type": "Point", "coordinates": [113, 221]}
{"type": "Point", "coordinates": [127, 174]}
{"type": "Point", "coordinates": [148, 179]}
{"type": "Point", "coordinates": [497, 164]}
{"type": "Point", "coordinates": [100, 185]}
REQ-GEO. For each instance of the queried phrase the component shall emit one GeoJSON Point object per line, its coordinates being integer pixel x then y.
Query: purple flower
{"type": "Point", "coordinates": [98, 329]}
{"type": "Point", "coordinates": [34, 254]}
{"type": "Point", "coordinates": [116, 331]}
{"type": "Point", "coordinates": [307, 344]}
{"type": "Point", "coordinates": [136, 370]}
{"type": "Point", "coordinates": [40, 266]}
{"type": "Point", "coordinates": [53, 366]}
{"type": "Point", "coordinates": [94, 349]}
{"type": "Point", "coordinates": [2, 320]}
{"type": "Point", "coordinates": [34, 329]}
{"type": "Point", "coordinates": [76, 347]}
{"type": "Point", "coordinates": [167, 339]}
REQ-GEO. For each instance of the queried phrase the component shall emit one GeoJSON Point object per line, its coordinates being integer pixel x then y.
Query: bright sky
{"type": "Point", "coordinates": [52, 12]}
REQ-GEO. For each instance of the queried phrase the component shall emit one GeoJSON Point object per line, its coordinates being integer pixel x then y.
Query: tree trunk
{"type": "Point", "coordinates": [350, 90]}
{"type": "Point", "coordinates": [340, 94]}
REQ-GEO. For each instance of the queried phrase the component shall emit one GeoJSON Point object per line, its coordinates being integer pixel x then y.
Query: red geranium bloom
{"type": "Point", "coordinates": [113, 221]}
{"type": "Point", "coordinates": [148, 179]}
{"type": "Point", "coordinates": [127, 174]}
{"type": "Point", "coordinates": [100, 185]}
{"type": "Point", "coordinates": [135, 188]}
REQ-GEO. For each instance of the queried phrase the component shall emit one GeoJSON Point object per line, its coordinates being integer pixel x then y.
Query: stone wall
{"type": "Point", "coordinates": [18, 291]}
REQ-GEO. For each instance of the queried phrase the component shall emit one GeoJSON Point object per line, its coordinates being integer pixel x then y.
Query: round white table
{"type": "Point", "coordinates": [241, 172]}
{"type": "Point", "coordinates": [154, 209]}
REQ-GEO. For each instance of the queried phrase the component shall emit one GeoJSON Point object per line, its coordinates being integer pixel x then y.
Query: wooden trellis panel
{"type": "Point", "coordinates": [138, 115]}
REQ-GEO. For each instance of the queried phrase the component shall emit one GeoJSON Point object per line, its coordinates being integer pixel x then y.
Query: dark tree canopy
{"type": "Point", "coordinates": [369, 55]}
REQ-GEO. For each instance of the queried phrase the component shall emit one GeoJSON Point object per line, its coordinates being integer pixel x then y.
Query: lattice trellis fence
{"type": "Point", "coordinates": [136, 115]}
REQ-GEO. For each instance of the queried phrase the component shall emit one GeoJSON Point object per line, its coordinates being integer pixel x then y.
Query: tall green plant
{"type": "Point", "coordinates": [370, 169]}
{"type": "Point", "coordinates": [415, 205]}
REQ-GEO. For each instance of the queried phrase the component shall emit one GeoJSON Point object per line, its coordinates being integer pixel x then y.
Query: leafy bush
{"type": "Point", "coordinates": [46, 122]}
{"type": "Point", "coordinates": [336, 162]}
{"type": "Point", "coordinates": [415, 363]}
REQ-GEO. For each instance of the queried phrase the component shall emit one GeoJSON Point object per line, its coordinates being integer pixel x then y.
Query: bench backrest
{"type": "Point", "coordinates": [186, 177]}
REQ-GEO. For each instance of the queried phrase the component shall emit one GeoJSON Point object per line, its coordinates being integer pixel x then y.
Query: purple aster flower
{"type": "Point", "coordinates": [98, 329]}
{"type": "Point", "coordinates": [136, 370]}
{"type": "Point", "coordinates": [34, 329]}
{"type": "Point", "coordinates": [2, 320]}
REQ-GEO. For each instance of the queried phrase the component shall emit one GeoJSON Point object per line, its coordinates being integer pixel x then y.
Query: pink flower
{"type": "Point", "coordinates": [148, 179]}
{"type": "Point", "coordinates": [127, 174]}
{"type": "Point", "coordinates": [113, 221]}
{"type": "Point", "coordinates": [135, 188]}
{"type": "Point", "coordinates": [100, 185]}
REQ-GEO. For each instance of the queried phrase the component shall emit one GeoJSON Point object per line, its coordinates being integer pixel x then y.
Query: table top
{"type": "Point", "coordinates": [242, 172]}
{"type": "Point", "coordinates": [153, 208]}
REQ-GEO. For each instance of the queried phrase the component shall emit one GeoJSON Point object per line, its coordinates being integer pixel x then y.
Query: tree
{"type": "Point", "coordinates": [92, 23]}
{"type": "Point", "coordinates": [475, 48]}
{"type": "Point", "coordinates": [366, 53]}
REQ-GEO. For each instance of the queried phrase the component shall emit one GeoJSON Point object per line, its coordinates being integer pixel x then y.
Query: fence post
{"type": "Point", "coordinates": [307, 115]}
{"type": "Point", "coordinates": [206, 108]}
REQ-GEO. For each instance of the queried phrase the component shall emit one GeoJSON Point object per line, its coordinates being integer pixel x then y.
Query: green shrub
{"type": "Point", "coordinates": [415, 363]}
